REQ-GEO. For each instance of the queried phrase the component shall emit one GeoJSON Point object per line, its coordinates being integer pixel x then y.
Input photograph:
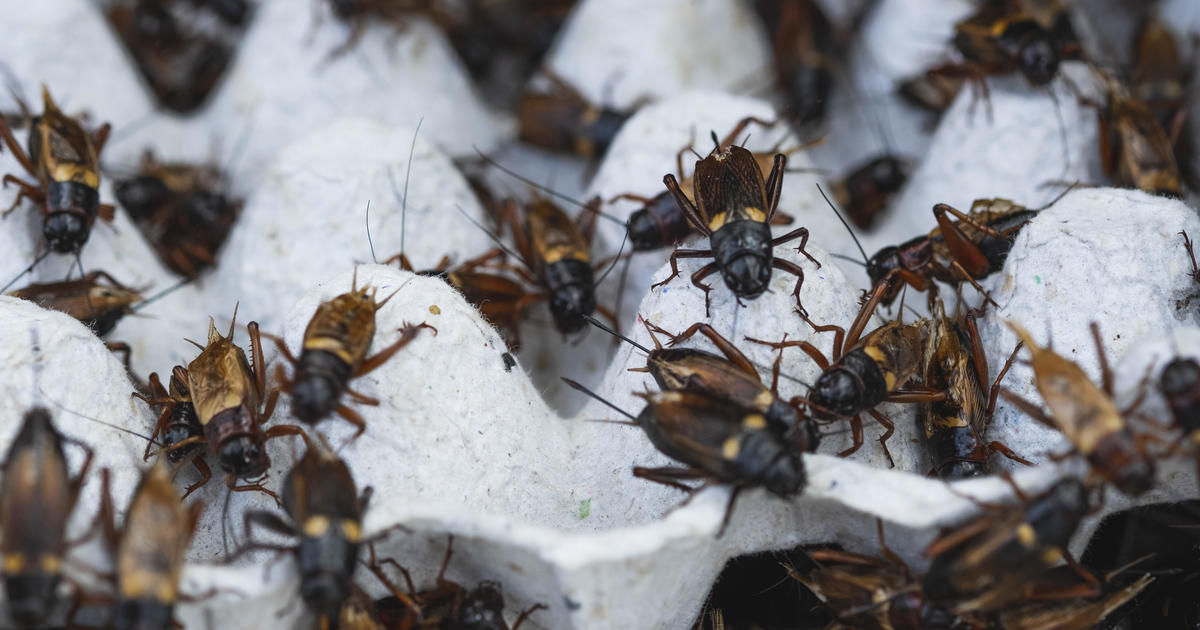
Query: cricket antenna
{"type": "Point", "coordinates": [849, 259]}
{"type": "Point", "coordinates": [621, 284]}
{"type": "Point", "coordinates": [407, 175]}
{"type": "Point", "coordinates": [912, 310]}
{"type": "Point", "coordinates": [14, 89]}
{"type": "Point", "coordinates": [139, 122]}
{"type": "Point", "coordinates": [595, 322]}
{"type": "Point", "coordinates": [577, 386]}
{"type": "Point", "coordinates": [88, 295]}
{"type": "Point", "coordinates": [1062, 132]}
{"type": "Point", "coordinates": [26, 270]}
{"type": "Point", "coordinates": [616, 259]}
{"type": "Point", "coordinates": [1062, 194]}
{"type": "Point", "coordinates": [78, 265]}
{"type": "Point", "coordinates": [547, 189]}
{"type": "Point", "coordinates": [371, 243]}
{"type": "Point", "coordinates": [495, 240]}
{"type": "Point", "coordinates": [239, 147]}
{"type": "Point", "coordinates": [871, 113]}
{"type": "Point", "coordinates": [162, 294]}
{"type": "Point", "coordinates": [97, 420]}
{"type": "Point", "coordinates": [866, 259]}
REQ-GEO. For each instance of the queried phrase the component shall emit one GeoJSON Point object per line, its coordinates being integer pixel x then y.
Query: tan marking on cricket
{"type": "Point", "coordinates": [335, 347]}
{"type": "Point", "coordinates": [75, 173]}
{"type": "Point", "coordinates": [747, 213]}
{"type": "Point", "coordinates": [50, 563]}
{"type": "Point", "coordinates": [13, 563]}
{"type": "Point", "coordinates": [754, 421]}
{"type": "Point", "coordinates": [730, 447]}
{"type": "Point", "coordinates": [884, 618]}
{"type": "Point", "coordinates": [670, 397]}
{"type": "Point", "coordinates": [950, 421]}
{"type": "Point", "coordinates": [1026, 535]}
{"type": "Point", "coordinates": [1052, 555]}
{"type": "Point", "coordinates": [999, 26]}
{"type": "Point", "coordinates": [316, 526]}
{"type": "Point", "coordinates": [158, 587]}
{"type": "Point", "coordinates": [755, 214]}
{"type": "Point", "coordinates": [875, 353]}
{"type": "Point", "coordinates": [564, 252]}
{"type": "Point", "coordinates": [584, 146]}
{"type": "Point", "coordinates": [590, 115]}
{"type": "Point", "coordinates": [166, 592]}
{"type": "Point", "coordinates": [880, 358]}
{"type": "Point", "coordinates": [352, 530]}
